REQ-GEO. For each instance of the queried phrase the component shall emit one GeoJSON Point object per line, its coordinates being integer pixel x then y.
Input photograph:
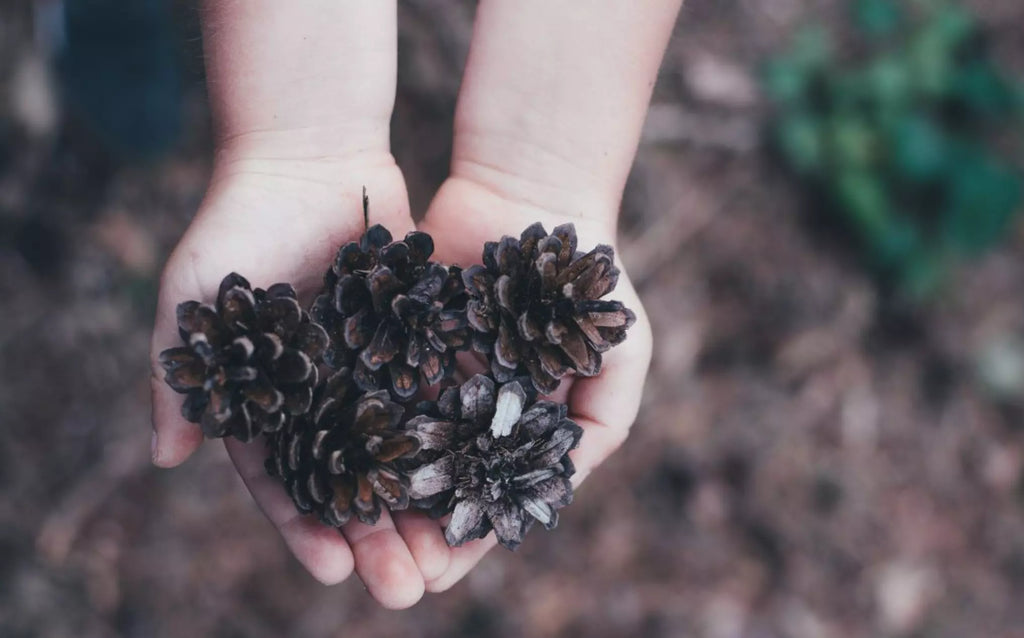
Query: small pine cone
{"type": "Point", "coordinates": [500, 460]}
{"type": "Point", "coordinates": [250, 362]}
{"type": "Point", "coordinates": [536, 306]}
{"type": "Point", "coordinates": [342, 460]}
{"type": "Point", "coordinates": [391, 313]}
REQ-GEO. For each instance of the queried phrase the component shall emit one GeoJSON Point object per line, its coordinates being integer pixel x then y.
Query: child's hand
{"type": "Point", "coordinates": [547, 125]}
{"type": "Point", "coordinates": [301, 94]}
{"type": "Point", "coordinates": [461, 219]}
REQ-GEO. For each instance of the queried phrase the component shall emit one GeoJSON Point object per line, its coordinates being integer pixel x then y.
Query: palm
{"type": "Point", "coordinates": [461, 219]}
{"type": "Point", "coordinates": [241, 227]}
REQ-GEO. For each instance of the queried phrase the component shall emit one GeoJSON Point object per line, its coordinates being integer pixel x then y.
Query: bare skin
{"type": "Point", "coordinates": [547, 125]}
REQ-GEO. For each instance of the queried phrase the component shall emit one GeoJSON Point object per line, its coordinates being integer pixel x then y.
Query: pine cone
{"type": "Point", "coordinates": [250, 362]}
{"type": "Point", "coordinates": [341, 460]}
{"type": "Point", "coordinates": [501, 460]}
{"type": "Point", "coordinates": [391, 313]}
{"type": "Point", "coordinates": [536, 306]}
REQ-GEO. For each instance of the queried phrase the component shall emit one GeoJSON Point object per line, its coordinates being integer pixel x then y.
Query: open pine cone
{"type": "Point", "coordinates": [500, 460]}
{"type": "Point", "coordinates": [391, 313]}
{"type": "Point", "coordinates": [250, 360]}
{"type": "Point", "coordinates": [341, 461]}
{"type": "Point", "coordinates": [536, 303]}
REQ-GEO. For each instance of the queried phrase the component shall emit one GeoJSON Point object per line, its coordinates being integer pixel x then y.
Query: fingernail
{"type": "Point", "coordinates": [153, 447]}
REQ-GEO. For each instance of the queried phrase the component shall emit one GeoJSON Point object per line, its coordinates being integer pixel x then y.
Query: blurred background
{"type": "Point", "coordinates": [822, 221]}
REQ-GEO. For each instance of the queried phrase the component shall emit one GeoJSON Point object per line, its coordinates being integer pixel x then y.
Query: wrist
{"type": "Point", "coordinates": [466, 213]}
{"type": "Point", "coordinates": [319, 193]}
{"type": "Point", "coordinates": [552, 196]}
{"type": "Point", "coordinates": [508, 204]}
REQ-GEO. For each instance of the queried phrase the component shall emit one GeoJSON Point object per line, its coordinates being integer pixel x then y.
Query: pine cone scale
{"type": "Point", "coordinates": [467, 523]}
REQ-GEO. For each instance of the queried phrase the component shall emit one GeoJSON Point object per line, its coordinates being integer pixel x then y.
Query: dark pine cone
{"type": "Point", "coordinates": [501, 460]}
{"type": "Point", "coordinates": [536, 303]}
{"type": "Point", "coordinates": [250, 362]}
{"type": "Point", "coordinates": [391, 313]}
{"type": "Point", "coordinates": [341, 460]}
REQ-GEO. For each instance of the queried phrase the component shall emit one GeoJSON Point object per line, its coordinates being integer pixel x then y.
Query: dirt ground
{"type": "Point", "coordinates": [808, 462]}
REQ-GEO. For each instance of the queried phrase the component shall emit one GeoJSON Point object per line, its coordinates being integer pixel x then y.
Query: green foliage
{"type": "Point", "coordinates": [900, 134]}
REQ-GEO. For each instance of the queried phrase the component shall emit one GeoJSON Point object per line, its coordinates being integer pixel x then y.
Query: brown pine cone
{"type": "Point", "coordinates": [250, 360]}
{"type": "Point", "coordinates": [500, 460]}
{"type": "Point", "coordinates": [536, 306]}
{"type": "Point", "coordinates": [392, 313]}
{"type": "Point", "coordinates": [341, 461]}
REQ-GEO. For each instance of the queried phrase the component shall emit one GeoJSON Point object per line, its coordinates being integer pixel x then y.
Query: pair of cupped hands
{"type": "Point", "coordinates": [301, 95]}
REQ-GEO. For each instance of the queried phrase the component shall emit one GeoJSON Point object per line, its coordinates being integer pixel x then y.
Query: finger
{"type": "Point", "coordinates": [174, 438]}
{"type": "Point", "coordinates": [320, 549]}
{"type": "Point", "coordinates": [384, 562]}
{"type": "Point", "coordinates": [425, 540]}
{"type": "Point", "coordinates": [180, 438]}
{"type": "Point", "coordinates": [463, 559]}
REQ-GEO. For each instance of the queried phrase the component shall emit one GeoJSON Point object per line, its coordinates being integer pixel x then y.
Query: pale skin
{"type": "Point", "coordinates": [546, 128]}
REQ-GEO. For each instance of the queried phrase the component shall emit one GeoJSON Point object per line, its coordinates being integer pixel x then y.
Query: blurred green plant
{"type": "Point", "coordinates": [906, 135]}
